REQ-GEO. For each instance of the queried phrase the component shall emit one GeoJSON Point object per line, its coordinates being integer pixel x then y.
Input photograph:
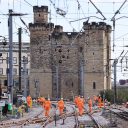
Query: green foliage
{"type": "Point", "coordinates": [122, 95]}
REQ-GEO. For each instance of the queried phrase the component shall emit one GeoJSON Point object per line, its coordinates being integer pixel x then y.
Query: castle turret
{"type": "Point", "coordinates": [40, 14]}
{"type": "Point", "coordinates": [58, 28]}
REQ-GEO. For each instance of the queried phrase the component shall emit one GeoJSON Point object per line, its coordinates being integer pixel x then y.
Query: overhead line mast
{"type": "Point", "coordinates": [113, 19]}
{"type": "Point", "coordinates": [10, 30]}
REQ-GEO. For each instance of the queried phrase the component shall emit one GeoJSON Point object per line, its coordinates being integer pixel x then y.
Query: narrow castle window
{"type": "Point", "coordinates": [72, 84]}
{"type": "Point", "coordinates": [94, 85]}
{"type": "Point", "coordinates": [81, 49]}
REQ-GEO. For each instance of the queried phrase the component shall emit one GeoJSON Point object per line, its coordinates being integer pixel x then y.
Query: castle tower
{"type": "Point", "coordinates": [40, 67]}
{"type": "Point", "coordinates": [40, 14]}
{"type": "Point", "coordinates": [97, 54]}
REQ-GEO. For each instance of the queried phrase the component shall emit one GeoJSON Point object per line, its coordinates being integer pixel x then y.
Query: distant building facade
{"type": "Point", "coordinates": [64, 64]}
{"type": "Point", "coordinates": [4, 64]}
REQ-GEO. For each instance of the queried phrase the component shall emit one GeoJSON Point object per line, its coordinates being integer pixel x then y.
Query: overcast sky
{"type": "Point", "coordinates": [75, 9]}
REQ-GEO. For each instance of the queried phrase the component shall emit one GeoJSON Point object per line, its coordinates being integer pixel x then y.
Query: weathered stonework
{"type": "Point", "coordinates": [68, 63]}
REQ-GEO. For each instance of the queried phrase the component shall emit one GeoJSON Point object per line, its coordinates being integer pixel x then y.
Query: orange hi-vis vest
{"type": "Point", "coordinates": [80, 104]}
{"type": "Point", "coordinates": [61, 104]}
{"type": "Point", "coordinates": [75, 100]}
{"type": "Point", "coordinates": [90, 103]}
{"type": "Point", "coordinates": [47, 105]}
{"type": "Point", "coordinates": [29, 99]}
{"type": "Point", "coordinates": [42, 99]}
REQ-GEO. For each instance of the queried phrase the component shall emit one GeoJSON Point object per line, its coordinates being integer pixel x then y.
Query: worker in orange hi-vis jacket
{"type": "Point", "coordinates": [76, 100]}
{"type": "Point", "coordinates": [42, 100]}
{"type": "Point", "coordinates": [99, 101]}
{"type": "Point", "coordinates": [80, 105]}
{"type": "Point", "coordinates": [47, 107]}
{"type": "Point", "coordinates": [61, 106]}
{"type": "Point", "coordinates": [82, 99]}
{"type": "Point", "coordinates": [29, 100]}
{"type": "Point", "coordinates": [95, 100]}
{"type": "Point", "coordinates": [90, 104]}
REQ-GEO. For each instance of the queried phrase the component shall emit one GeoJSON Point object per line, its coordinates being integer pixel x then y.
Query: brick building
{"type": "Point", "coordinates": [67, 63]}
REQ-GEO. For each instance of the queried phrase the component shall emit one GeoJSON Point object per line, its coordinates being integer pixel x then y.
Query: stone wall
{"type": "Point", "coordinates": [60, 59]}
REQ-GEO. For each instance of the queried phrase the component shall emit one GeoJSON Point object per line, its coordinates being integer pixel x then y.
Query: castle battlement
{"type": "Point", "coordinates": [58, 28]}
{"type": "Point", "coordinates": [40, 9]}
{"type": "Point", "coordinates": [96, 26]}
{"type": "Point", "coordinates": [41, 26]}
{"type": "Point", "coordinates": [40, 14]}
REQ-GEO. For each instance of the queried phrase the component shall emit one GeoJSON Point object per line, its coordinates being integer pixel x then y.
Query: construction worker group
{"type": "Point", "coordinates": [79, 101]}
{"type": "Point", "coordinates": [46, 105]}
{"type": "Point", "coordinates": [92, 102]}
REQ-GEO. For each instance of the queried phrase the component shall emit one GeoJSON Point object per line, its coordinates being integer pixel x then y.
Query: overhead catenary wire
{"type": "Point", "coordinates": [118, 11]}
{"type": "Point", "coordinates": [123, 56]}
{"type": "Point", "coordinates": [86, 18]}
{"type": "Point", "coordinates": [113, 19]}
{"type": "Point", "coordinates": [28, 3]}
{"type": "Point", "coordinates": [63, 15]}
{"type": "Point", "coordinates": [104, 18]}
{"type": "Point", "coordinates": [58, 10]}
{"type": "Point", "coordinates": [94, 2]}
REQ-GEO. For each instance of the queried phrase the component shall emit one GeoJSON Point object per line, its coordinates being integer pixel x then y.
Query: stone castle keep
{"type": "Point", "coordinates": [63, 63]}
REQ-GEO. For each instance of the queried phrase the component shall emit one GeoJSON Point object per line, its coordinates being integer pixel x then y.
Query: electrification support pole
{"type": "Point", "coordinates": [57, 81]}
{"type": "Point", "coordinates": [10, 86]}
{"type": "Point", "coordinates": [19, 31]}
{"type": "Point", "coordinates": [115, 92]}
{"type": "Point", "coordinates": [7, 71]}
{"type": "Point", "coordinates": [25, 75]}
{"type": "Point", "coordinates": [113, 33]}
{"type": "Point", "coordinates": [10, 27]}
{"type": "Point", "coordinates": [81, 78]}
{"type": "Point", "coordinates": [113, 19]}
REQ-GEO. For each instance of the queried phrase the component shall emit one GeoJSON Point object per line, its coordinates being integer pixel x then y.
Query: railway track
{"type": "Point", "coordinates": [78, 123]}
{"type": "Point", "coordinates": [121, 113]}
{"type": "Point", "coordinates": [71, 111]}
{"type": "Point", "coordinates": [21, 122]}
{"type": "Point", "coordinates": [94, 123]}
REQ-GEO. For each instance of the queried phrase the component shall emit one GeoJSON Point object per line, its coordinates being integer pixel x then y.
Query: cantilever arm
{"type": "Point", "coordinates": [98, 10]}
